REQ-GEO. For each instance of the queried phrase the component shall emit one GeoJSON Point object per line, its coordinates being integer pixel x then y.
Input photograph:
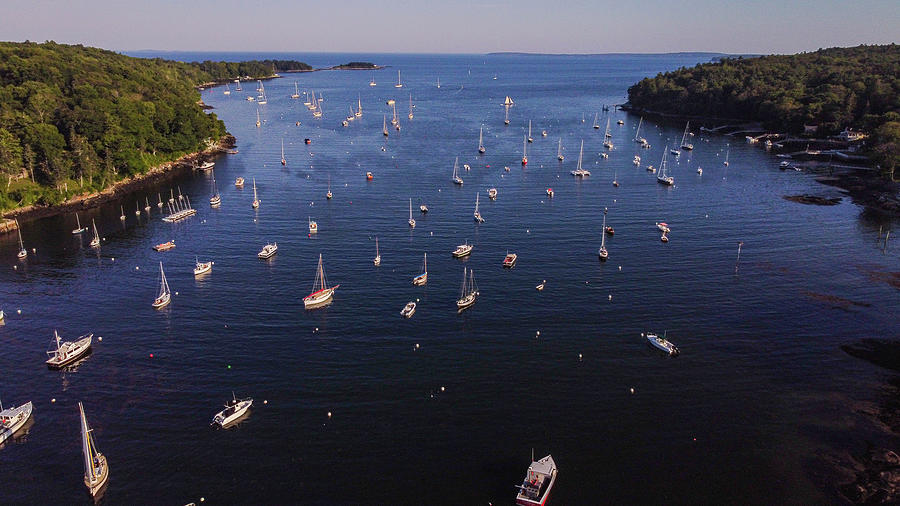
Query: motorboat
{"type": "Point", "coordinates": [268, 250]}
{"type": "Point", "coordinates": [408, 310]}
{"type": "Point", "coordinates": [165, 246]}
{"type": "Point", "coordinates": [234, 410]}
{"type": "Point", "coordinates": [662, 344]}
{"type": "Point", "coordinates": [539, 481]}
{"type": "Point", "coordinates": [67, 352]}
{"type": "Point", "coordinates": [510, 260]}
{"type": "Point", "coordinates": [202, 267]}
{"type": "Point", "coordinates": [462, 250]}
{"type": "Point", "coordinates": [12, 419]}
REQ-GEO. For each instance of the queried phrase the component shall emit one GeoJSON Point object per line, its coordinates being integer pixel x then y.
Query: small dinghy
{"type": "Point", "coordinates": [408, 310]}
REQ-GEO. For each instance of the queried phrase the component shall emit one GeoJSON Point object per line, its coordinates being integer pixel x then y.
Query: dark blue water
{"type": "Point", "coordinates": [746, 413]}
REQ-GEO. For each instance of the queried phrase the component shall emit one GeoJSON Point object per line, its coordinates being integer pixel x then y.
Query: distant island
{"type": "Point", "coordinates": [854, 91]}
{"type": "Point", "coordinates": [226, 71]}
{"type": "Point", "coordinates": [76, 120]}
{"type": "Point", "coordinates": [356, 65]}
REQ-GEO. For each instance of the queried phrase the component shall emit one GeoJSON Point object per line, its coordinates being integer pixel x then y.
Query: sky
{"type": "Point", "coordinates": [448, 26]}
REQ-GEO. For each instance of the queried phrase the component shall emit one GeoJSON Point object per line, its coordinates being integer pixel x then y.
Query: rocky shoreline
{"type": "Point", "coordinates": [153, 176]}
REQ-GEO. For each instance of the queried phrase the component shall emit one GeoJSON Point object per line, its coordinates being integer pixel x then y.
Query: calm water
{"type": "Point", "coordinates": [758, 397]}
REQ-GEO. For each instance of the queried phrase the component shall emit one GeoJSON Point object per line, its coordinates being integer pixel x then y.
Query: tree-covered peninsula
{"type": "Point", "coordinates": [75, 120]}
{"type": "Point", "coordinates": [834, 89]}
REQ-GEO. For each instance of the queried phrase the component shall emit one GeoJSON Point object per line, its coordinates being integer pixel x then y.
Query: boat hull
{"type": "Point", "coordinates": [162, 302]}
{"type": "Point", "coordinates": [96, 486]}
{"type": "Point", "coordinates": [21, 418]}
{"type": "Point", "coordinates": [80, 348]}
{"type": "Point", "coordinates": [320, 298]}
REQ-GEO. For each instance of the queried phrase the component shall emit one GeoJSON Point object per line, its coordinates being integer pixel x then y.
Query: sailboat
{"type": "Point", "coordinates": [506, 117]}
{"type": "Point", "coordinates": [607, 143]}
{"type": "Point", "coordinates": [283, 161]}
{"type": "Point", "coordinates": [469, 291]}
{"type": "Point", "coordinates": [508, 101]}
{"type": "Point", "coordinates": [372, 82]}
{"type": "Point", "coordinates": [384, 129]}
{"type": "Point", "coordinates": [394, 120]}
{"type": "Point", "coordinates": [410, 115]}
{"type": "Point", "coordinates": [524, 152]}
{"type": "Point", "coordinates": [439, 83]}
{"type": "Point", "coordinates": [530, 139]}
{"type": "Point", "coordinates": [637, 133]}
{"type": "Point", "coordinates": [456, 179]}
{"type": "Point", "coordinates": [137, 208]}
{"type": "Point", "coordinates": [165, 295]}
{"type": "Point", "coordinates": [95, 242]}
{"type": "Point", "coordinates": [296, 91]}
{"type": "Point", "coordinates": [377, 259]}
{"type": "Point", "coordinates": [216, 199]}
{"type": "Point", "coordinates": [481, 149]}
{"type": "Point", "coordinates": [616, 179]}
{"type": "Point", "coordinates": [580, 172]}
{"type": "Point", "coordinates": [238, 87]}
{"type": "Point", "coordinates": [603, 254]}
{"type": "Point", "coordinates": [477, 214]}
{"type": "Point", "coordinates": [559, 155]}
{"type": "Point", "coordinates": [261, 99]}
{"type": "Point", "coordinates": [329, 195]}
{"type": "Point", "coordinates": [255, 203]}
{"type": "Point", "coordinates": [684, 144]}
{"type": "Point", "coordinates": [727, 152]}
{"type": "Point", "coordinates": [412, 222]}
{"type": "Point", "coordinates": [80, 229]}
{"type": "Point", "coordinates": [96, 470]}
{"type": "Point", "coordinates": [596, 125]}
{"type": "Point", "coordinates": [258, 123]}
{"type": "Point", "coordinates": [421, 279]}
{"type": "Point", "coordinates": [122, 210]}
{"type": "Point", "coordinates": [160, 204]}
{"type": "Point", "coordinates": [663, 177]}
{"type": "Point", "coordinates": [399, 84]}
{"type": "Point", "coordinates": [227, 90]}
{"type": "Point", "coordinates": [146, 205]}
{"type": "Point", "coordinates": [322, 293]}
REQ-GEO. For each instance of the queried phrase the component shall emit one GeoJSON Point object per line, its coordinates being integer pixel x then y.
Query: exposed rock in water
{"type": "Point", "coordinates": [879, 480]}
{"type": "Point", "coordinates": [813, 200]}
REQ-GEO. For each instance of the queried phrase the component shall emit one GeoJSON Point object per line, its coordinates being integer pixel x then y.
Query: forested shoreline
{"type": "Point", "coordinates": [831, 89]}
{"type": "Point", "coordinates": [75, 120]}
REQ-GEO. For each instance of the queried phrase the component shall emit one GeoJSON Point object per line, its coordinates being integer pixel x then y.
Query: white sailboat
{"type": "Point", "coordinates": [687, 146]}
{"type": "Point", "coordinates": [481, 149]}
{"type": "Point", "coordinates": [255, 203]}
{"type": "Point", "coordinates": [372, 82]}
{"type": "Point", "coordinates": [727, 152]}
{"type": "Point", "coordinates": [283, 161]}
{"type": "Point", "coordinates": [524, 152]}
{"type": "Point", "coordinates": [579, 171]}
{"type": "Point", "coordinates": [399, 84]}
{"type": "Point", "coordinates": [421, 279]}
{"type": "Point", "coordinates": [165, 295]}
{"type": "Point", "coordinates": [261, 99]}
{"type": "Point", "coordinates": [410, 115]}
{"type": "Point", "coordinates": [377, 259]}
{"type": "Point", "coordinates": [95, 242]}
{"type": "Point", "coordinates": [663, 177]}
{"type": "Point", "coordinates": [329, 195]}
{"type": "Point", "coordinates": [80, 229]}
{"type": "Point", "coordinates": [477, 214]}
{"type": "Point", "coordinates": [146, 205]}
{"type": "Point", "coordinates": [439, 83]}
{"type": "Point", "coordinates": [227, 90]}
{"type": "Point", "coordinates": [296, 91]}
{"type": "Point", "coordinates": [384, 130]}
{"type": "Point", "coordinates": [602, 253]}
{"type": "Point", "coordinates": [595, 124]}
{"type": "Point", "coordinates": [469, 291]}
{"type": "Point", "coordinates": [216, 199]}
{"type": "Point", "coordinates": [122, 210]}
{"type": "Point", "coordinates": [637, 133]}
{"type": "Point", "coordinates": [258, 123]}
{"type": "Point", "coordinates": [96, 470]}
{"type": "Point", "coordinates": [506, 117]}
{"type": "Point", "coordinates": [530, 139]}
{"type": "Point", "coordinates": [607, 143]}
{"type": "Point", "coordinates": [412, 222]}
{"type": "Point", "coordinates": [559, 155]}
{"type": "Point", "coordinates": [456, 179]}
{"type": "Point", "coordinates": [322, 293]}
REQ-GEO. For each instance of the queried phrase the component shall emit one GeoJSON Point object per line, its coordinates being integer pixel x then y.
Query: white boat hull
{"type": "Point", "coordinates": [318, 299]}
{"type": "Point", "coordinates": [70, 352]}
{"type": "Point", "coordinates": [15, 418]}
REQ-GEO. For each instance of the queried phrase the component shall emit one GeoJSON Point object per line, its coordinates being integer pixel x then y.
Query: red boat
{"type": "Point", "coordinates": [369, 176]}
{"type": "Point", "coordinates": [510, 260]}
{"type": "Point", "coordinates": [164, 246]}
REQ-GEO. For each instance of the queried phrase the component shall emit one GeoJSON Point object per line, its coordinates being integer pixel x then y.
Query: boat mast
{"type": "Point", "coordinates": [86, 447]}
